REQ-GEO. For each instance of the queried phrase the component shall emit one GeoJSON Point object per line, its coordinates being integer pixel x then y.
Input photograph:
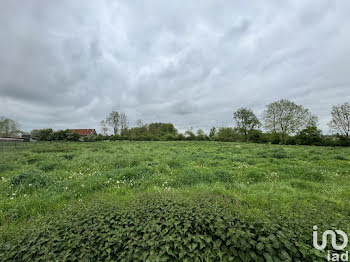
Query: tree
{"type": "Point", "coordinates": [162, 129]}
{"type": "Point", "coordinates": [311, 135]}
{"type": "Point", "coordinates": [246, 121]}
{"type": "Point", "coordinates": [72, 136]}
{"type": "Point", "coordinates": [285, 117]}
{"type": "Point", "coordinates": [200, 135]}
{"type": "Point", "coordinates": [341, 119]}
{"type": "Point", "coordinates": [42, 134]}
{"type": "Point", "coordinates": [8, 127]}
{"type": "Point", "coordinates": [123, 123]}
{"type": "Point", "coordinates": [104, 128]}
{"type": "Point", "coordinates": [212, 133]}
{"type": "Point", "coordinates": [227, 134]}
{"type": "Point", "coordinates": [190, 135]}
{"type": "Point", "coordinates": [139, 123]}
{"type": "Point", "coordinates": [112, 123]}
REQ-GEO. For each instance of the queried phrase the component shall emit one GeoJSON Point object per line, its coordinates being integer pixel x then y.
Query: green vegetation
{"type": "Point", "coordinates": [170, 200]}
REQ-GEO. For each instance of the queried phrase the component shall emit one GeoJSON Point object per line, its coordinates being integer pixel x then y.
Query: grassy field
{"type": "Point", "coordinates": [282, 188]}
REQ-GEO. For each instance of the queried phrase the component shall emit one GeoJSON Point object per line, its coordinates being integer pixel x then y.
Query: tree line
{"type": "Point", "coordinates": [284, 122]}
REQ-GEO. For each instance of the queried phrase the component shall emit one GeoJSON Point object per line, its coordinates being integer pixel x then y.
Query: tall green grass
{"type": "Point", "coordinates": [263, 182]}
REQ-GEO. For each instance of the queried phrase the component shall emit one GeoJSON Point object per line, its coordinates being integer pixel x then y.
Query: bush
{"type": "Point", "coordinates": [227, 134]}
{"type": "Point", "coordinates": [274, 138]}
{"type": "Point", "coordinates": [42, 134]}
{"type": "Point", "coordinates": [180, 137]}
{"type": "Point", "coordinates": [310, 136]}
{"type": "Point", "coordinates": [115, 138]}
{"type": "Point", "coordinates": [73, 136]}
{"type": "Point", "coordinates": [158, 227]}
{"type": "Point", "coordinates": [257, 136]}
{"type": "Point", "coordinates": [89, 138]}
{"type": "Point", "coordinates": [291, 140]}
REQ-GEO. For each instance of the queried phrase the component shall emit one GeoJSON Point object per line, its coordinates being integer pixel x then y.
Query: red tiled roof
{"type": "Point", "coordinates": [84, 132]}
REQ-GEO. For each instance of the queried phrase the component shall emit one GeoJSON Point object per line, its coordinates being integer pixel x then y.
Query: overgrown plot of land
{"type": "Point", "coordinates": [227, 200]}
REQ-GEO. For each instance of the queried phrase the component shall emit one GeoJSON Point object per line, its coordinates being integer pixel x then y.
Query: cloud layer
{"type": "Point", "coordinates": [67, 64]}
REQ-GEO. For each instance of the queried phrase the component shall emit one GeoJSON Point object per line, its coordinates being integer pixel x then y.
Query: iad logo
{"type": "Point", "coordinates": [332, 234]}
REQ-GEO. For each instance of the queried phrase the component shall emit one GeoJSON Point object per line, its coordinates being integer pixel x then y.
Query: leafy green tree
{"type": "Point", "coordinates": [190, 135]}
{"type": "Point", "coordinates": [311, 135]}
{"type": "Point", "coordinates": [162, 129]}
{"type": "Point", "coordinates": [274, 138]}
{"type": "Point", "coordinates": [227, 134]}
{"type": "Point", "coordinates": [180, 137]}
{"type": "Point", "coordinates": [42, 134]}
{"type": "Point", "coordinates": [59, 135]}
{"type": "Point", "coordinates": [246, 121]}
{"type": "Point", "coordinates": [72, 136]}
{"type": "Point", "coordinates": [200, 135]}
{"type": "Point", "coordinates": [285, 117]}
{"type": "Point", "coordinates": [212, 133]}
{"type": "Point", "coordinates": [257, 136]}
{"type": "Point", "coordinates": [341, 119]}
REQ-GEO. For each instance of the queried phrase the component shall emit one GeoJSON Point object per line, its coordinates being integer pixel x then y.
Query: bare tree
{"type": "Point", "coordinates": [285, 117]}
{"type": "Point", "coordinates": [111, 123]}
{"type": "Point", "coordinates": [139, 123]}
{"type": "Point", "coordinates": [104, 128]}
{"type": "Point", "coordinates": [246, 121]}
{"type": "Point", "coordinates": [8, 127]}
{"type": "Point", "coordinates": [341, 119]}
{"type": "Point", "coordinates": [123, 123]}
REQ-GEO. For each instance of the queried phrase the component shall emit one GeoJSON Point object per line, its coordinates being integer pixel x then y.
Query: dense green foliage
{"type": "Point", "coordinates": [50, 135]}
{"type": "Point", "coordinates": [311, 135]}
{"type": "Point", "coordinates": [157, 227]}
{"type": "Point", "coordinates": [105, 199]}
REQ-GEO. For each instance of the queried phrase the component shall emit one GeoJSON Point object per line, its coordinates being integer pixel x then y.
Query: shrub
{"type": "Point", "coordinates": [274, 138]}
{"type": "Point", "coordinates": [42, 134]}
{"type": "Point", "coordinates": [72, 136]}
{"type": "Point", "coordinates": [157, 227]}
{"type": "Point", "coordinates": [309, 136]}
{"type": "Point", "coordinates": [227, 134]}
{"type": "Point", "coordinates": [89, 138]}
{"type": "Point", "coordinates": [257, 136]}
{"type": "Point", "coordinates": [291, 140]}
{"type": "Point", "coordinates": [180, 137]}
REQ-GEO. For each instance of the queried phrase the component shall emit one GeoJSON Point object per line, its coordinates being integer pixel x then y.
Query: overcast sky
{"type": "Point", "coordinates": [67, 64]}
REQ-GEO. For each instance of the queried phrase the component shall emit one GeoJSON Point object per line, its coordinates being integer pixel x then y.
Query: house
{"type": "Point", "coordinates": [84, 132]}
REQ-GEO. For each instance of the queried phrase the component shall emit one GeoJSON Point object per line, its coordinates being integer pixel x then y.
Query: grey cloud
{"type": "Point", "coordinates": [67, 64]}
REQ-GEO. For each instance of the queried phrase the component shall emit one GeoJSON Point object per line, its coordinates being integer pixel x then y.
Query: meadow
{"type": "Point", "coordinates": [165, 201]}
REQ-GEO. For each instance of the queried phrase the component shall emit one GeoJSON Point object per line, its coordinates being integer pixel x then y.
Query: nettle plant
{"type": "Point", "coordinates": [157, 227]}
